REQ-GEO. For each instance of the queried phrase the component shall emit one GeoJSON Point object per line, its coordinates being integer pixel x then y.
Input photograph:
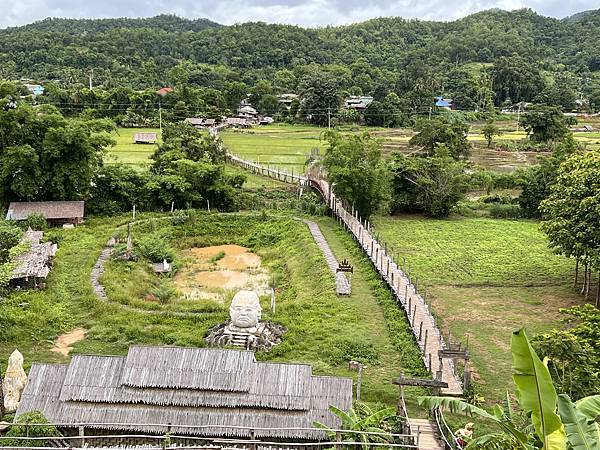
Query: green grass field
{"type": "Point", "coordinates": [126, 151]}
{"type": "Point", "coordinates": [486, 278]}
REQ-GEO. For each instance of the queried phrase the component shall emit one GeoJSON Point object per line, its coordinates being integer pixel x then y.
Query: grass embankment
{"type": "Point", "coordinates": [324, 330]}
{"type": "Point", "coordinates": [486, 278]}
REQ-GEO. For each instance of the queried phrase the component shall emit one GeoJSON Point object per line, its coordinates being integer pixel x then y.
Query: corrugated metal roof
{"type": "Point", "coordinates": [50, 210]}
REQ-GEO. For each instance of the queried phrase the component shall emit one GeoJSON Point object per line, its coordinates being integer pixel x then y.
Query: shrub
{"type": "Point", "coordinates": [36, 221]}
{"type": "Point", "coordinates": [155, 248]}
{"type": "Point", "coordinates": [504, 211]}
{"type": "Point", "coordinates": [43, 428]}
{"type": "Point", "coordinates": [350, 350]}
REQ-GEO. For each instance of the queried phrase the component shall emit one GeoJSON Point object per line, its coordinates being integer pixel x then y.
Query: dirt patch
{"type": "Point", "coordinates": [209, 272]}
{"type": "Point", "coordinates": [64, 341]}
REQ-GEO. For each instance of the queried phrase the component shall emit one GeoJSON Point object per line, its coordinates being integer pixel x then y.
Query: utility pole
{"type": "Point", "coordinates": [329, 118]}
{"type": "Point", "coordinates": [430, 108]}
{"type": "Point", "coordinates": [160, 117]}
{"type": "Point", "coordinates": [518, 115]}
{"type": "Point", "coordinates": [90, 77]}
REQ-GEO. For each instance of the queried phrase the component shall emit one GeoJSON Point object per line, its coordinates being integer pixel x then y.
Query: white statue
{"type": "Point", "coordinates": [245, 312]}
{"type": "Point", "coordinates": [15, 380]}
{"type": "Point", "coordinates": [245, 329]}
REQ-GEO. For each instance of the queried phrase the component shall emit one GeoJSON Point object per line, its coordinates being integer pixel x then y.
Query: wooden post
{"type": "Point", "coordinates": [252, 438]}
{"type": "Point", "coordinates": [420, 330]}
{"type": "Point", "coordinates": [82, 436]}
{"type": "Point", "coordinates": [405, 293]}
{"type": "Point", "coordinates": [414, 315]}
{"type": "Point", "coordinates": [425, 341]}
{"type": "Point", "coordinates": [338, 439]}
{"type": "Point", "coordinates": [409, 305]}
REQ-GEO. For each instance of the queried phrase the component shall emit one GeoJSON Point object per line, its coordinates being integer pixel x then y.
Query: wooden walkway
{"type": "Point", "coordinates": [425, 431]}
{"type": "Point", "coordinates": [418, 313]}
{"type": "Point", "coordinates": [342, 285]}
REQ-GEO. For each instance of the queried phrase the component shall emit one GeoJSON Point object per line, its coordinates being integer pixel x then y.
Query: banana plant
{"type": "Point", "coordinates": [579, 419]}
{"type": "Point", "coordinates": [361, 418]}
{"type": "Point", "coordinates": [558, 423]}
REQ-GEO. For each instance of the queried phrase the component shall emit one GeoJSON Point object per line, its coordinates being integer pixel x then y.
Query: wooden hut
{"type": "Point", "coordinates": [144, 138]}
{"type": "Point", "coordinates": [33, 266]}
{"type": "Point", "coordinates": [205, 393]}
{"type": "Point", "coordinates": [56, 213]}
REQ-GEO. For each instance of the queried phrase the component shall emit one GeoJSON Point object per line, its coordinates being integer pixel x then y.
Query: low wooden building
{"type": "Point", "coordinates": [33, 266]}
{"type": "Point", "coordinates": [144, 138]}
{"type": "Point", "coordinates": [203, 393]}
{"type": "Point", "coordinates": [56, 213]}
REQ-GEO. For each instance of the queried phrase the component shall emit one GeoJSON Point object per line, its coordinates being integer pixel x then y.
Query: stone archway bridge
{"type": "Point", "coordinates": [433, 347]}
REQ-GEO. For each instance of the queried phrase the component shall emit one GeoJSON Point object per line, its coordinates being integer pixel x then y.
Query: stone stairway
{"type": "Point", "coordinates": [342, 285]}
{"type": "Point", "coordinates": [425, 430]}
{"type": "Point", "coordinates": [240, 340]}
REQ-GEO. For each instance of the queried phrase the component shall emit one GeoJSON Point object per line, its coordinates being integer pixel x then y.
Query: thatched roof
{"type": "Point", "coordinates": [50, 210]}
{"type": "Point", "coordinates": [201, 388]}
{"type": "Point", "coordinates": [35, 262]}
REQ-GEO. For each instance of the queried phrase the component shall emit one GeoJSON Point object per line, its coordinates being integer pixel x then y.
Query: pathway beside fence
{"type": "Point", "coordinates": [342, 285]}
{"type": "Point", "coordinates": [418, 312]}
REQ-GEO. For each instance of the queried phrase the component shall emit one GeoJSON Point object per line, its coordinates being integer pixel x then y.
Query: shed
{"type": "Point", "coordinates": [33, 266]}
{"type": "Point", "coordinates": [144, 138]}
{"type": "Point", "coordinates": [206, 393]}
{"type": "Point", "coordinates": [57, 213]}
{"type": "Point", "coordinates": [197, 122]}
{"type": "Point", "coordinates": [444, 103]}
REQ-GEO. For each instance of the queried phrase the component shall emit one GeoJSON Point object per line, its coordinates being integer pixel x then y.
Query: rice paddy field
{"type": "Point", "coordinates": [289, 146]}
{"type": "Point", "coordinates": [486, 278]}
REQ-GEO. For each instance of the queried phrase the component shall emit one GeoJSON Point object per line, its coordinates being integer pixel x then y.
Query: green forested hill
{"type": "Point", "coordinates": [492, 57]}
{"type": "Point", "coordinates": [52, 47]}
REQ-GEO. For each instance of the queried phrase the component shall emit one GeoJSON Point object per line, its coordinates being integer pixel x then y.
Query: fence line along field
{"type": "Point", "coordinates": [486, 278]}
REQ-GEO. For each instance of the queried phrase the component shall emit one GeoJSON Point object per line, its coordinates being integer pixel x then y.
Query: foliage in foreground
{"type": "Point", "coordinates": [363, 418]}
{"type": "Point", "coordinates": [22, 429]}
{"type": "Point", "coordinates": [557, 422]}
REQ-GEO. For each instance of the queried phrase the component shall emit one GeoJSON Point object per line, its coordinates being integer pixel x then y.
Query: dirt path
{"type": "Point", "coordinates": [64, 341]}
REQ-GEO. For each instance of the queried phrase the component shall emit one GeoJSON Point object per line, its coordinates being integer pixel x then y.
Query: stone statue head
{"type": "Point", "coordinates": [245, 310]}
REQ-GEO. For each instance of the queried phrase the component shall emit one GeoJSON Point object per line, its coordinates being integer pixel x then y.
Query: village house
{"type": "Point", "coordinates": [287, 99]}
{"type": "Point", "coordinates": [444, 103]}
{"type": "Point", "coordinates": [55, 213]}
{"type": "Point", "coordinates": [196, 392]}
{"type": "Point", "coordinates": [145, 138]}
{"type": "Point", "coordinates": [358, 102]}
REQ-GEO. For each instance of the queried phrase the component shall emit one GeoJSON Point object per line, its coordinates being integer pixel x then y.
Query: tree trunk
{"type": "Point", "coordinates": [598, 292]}
{"type": "Point", "coordinates": [585, 273]}
{"type": "Point", "coordinates": [1, 397]}
{"type": "Point", "coordinates": [587, 289]}
{"type": "Point", "coordinates": [576, 272]}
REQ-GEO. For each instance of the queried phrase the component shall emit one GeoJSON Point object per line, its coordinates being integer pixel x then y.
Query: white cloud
{"type": "Point", "coordinates": [304, 13]}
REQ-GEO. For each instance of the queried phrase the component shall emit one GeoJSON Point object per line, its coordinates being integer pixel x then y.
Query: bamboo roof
{"type": "Point", "coordinates": [35, 262]}
{"type": "Point", "coordinates": [190, 387]}
{"type": "Point", "coordinates": [50, 210]}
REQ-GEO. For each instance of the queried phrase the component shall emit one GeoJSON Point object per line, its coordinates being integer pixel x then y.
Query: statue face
{"type": "Point", "coordinates": [245, 310]}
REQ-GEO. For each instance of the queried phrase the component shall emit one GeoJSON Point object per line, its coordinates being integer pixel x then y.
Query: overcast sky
{"type": "Point", "coordinates": [305, 13]}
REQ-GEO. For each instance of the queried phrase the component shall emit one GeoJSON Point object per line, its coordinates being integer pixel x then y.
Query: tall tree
{"type": "Point", "coordinates": [453, 135]}
{"type": "Point", "coordinates": [357, 171]}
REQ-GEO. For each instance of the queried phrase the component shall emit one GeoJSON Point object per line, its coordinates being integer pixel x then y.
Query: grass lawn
{"type": "Point", "coordinates": [128, 152]}
{"type": "Point", "coordinates": [324, 330]}
{"type": "Point", "coordinates": [486, 278]}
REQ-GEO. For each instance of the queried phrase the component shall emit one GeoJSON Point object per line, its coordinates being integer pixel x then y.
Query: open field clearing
{"type": "Point", "coordinates": [127, 151]}
{"type": "Point", "coordinates": [486, 278]}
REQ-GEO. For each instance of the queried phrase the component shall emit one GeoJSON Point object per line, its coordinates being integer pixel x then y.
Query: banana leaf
{"type": "Point", "coordinates": [589, 406]}
{"type": "Point", "coordinates": [536, 393]}
{"type": "Point", "coordinates": [580, 433]}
